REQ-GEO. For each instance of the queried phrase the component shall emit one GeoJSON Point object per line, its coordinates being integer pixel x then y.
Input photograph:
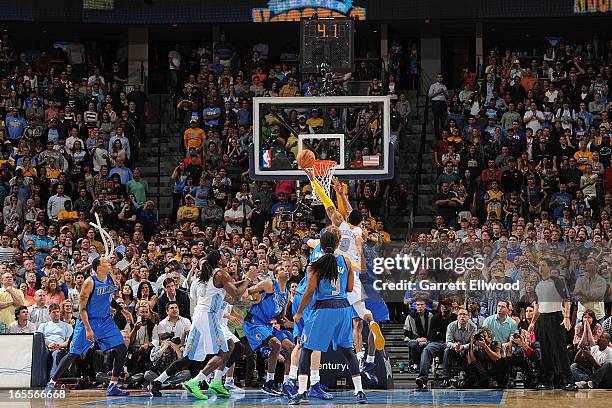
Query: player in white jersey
{"type": "Point", "coordinates": [351, 245]}
{"type": "Point", "coordinates": [206, 335]}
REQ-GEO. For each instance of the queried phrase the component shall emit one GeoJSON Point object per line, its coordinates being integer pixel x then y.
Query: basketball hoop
{"type": "Point", "coordinates": [323, 171]}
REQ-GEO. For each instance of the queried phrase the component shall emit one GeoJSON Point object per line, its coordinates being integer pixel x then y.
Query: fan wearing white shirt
{"type": "Point", "coordinates": [22, 324]}
{"type": "Point", "coordinates": [599, 357]}
{"type": "Point", "coordinates": [39, 312]}
{"type": "Point", "coordinates": [174, 323]}
{"type": "Point", "coordinates": [534, 118]}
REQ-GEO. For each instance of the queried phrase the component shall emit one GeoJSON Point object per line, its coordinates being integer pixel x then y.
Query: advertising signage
{"type": "Point", "coordinates": [295, 10]}
{"type": "Point", "coordinates": [592, 6]}
{"type": "Point", "coordinates": [263, 11]}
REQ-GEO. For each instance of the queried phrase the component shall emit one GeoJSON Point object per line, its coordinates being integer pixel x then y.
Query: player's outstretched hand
{"type": "Point", "coordinates": [336, 184]}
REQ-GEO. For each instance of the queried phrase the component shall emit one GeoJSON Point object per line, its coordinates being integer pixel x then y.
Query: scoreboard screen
{"type": "Point", "coordinates": [327, 41]}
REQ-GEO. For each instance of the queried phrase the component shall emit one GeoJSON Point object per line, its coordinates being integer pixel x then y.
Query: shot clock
{"type": "Point", "coordinates": [327, 40]}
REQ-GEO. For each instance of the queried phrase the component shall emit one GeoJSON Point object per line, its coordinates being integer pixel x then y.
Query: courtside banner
{"type": "Point", "coordinates": [16, 361]}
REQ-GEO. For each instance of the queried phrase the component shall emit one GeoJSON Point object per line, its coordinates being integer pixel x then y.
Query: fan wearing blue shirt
{"type": "Point", "coordinates": [15, 124]}
{"type": "Point", "coordinates": [211, 114]}
{"type": "Point", "coordinates": [501, 324]}
{"type": "Point", "coordinates": [200, 192]}
{"type": "Point", "coordinates": [124, 173]}
{"type": "Point", "coordinates": [560, 200]}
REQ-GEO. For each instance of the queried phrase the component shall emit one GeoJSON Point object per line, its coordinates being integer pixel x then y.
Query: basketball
{"type": "Point", "coordinates": [305, 158]}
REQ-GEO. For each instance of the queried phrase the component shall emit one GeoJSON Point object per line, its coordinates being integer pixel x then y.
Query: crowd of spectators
{"type": "Point", "coordinates": [523, 182]}
{"type": "Point", "coordinates": [71, 136]}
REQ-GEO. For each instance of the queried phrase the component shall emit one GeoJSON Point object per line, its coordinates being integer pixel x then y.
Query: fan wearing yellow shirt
{"type": "Point", "coordinates": [315, 120]}
{"type": "Point", "coordinates": [67, 216]}
{"type": "Point", "coordinates": [583, 157]}
{"type": "Point", "coordinates": [493, 199]}
{"type": "Point", "coordinates": [292, 145]}
{"type": "Point", "coordinates": [51, 172]}
{"type": "Point", "coordinates": [194, 137]}
{"type": "Point", "coordinates": [10, 299]}
{"type": "Point", "coordinates": [187, 213]}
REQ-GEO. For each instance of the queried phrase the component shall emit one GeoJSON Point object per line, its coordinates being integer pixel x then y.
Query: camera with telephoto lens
{"type": "Point", "coordinates": [170, 336]}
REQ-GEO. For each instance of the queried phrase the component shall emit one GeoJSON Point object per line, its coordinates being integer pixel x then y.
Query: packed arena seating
{"type": "Point", "coordinates": [522, 161]}
{"type": "Point", "coordinates": [523, 179]}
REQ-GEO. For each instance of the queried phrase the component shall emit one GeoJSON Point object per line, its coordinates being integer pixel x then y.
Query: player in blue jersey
{"type": "Point", "coordinates": [258, 327]}
{"type": "Point", "coordinates": [330, 278]}
{"type": "Point", "coordinates": [290, 388]}
{"type": "Point", "coordinates": [96, 325]}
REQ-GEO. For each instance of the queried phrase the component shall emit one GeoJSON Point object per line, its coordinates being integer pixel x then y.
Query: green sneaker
{"type": "Point", "coordinates": [219, 389]}
{"type": "Point", "coordinates": [193, 387]}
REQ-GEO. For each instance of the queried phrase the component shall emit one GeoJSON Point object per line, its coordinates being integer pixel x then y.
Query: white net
{"type": "Point", "coordinates": [323, 171]}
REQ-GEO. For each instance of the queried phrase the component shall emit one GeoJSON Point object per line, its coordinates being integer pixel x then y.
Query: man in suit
{"type": "Point", "coordinates": [176, 295]}
{"type": "Point", "coordinates": [488, 86]}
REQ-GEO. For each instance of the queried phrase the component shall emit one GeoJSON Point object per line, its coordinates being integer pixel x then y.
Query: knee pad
{"type": "Point", "coordinates": [304, 365]}
{"type": "Point", "coordinates": [351, 360]}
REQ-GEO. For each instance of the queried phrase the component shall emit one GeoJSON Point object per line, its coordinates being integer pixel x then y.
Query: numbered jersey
{"type": "Point", "coordinates": [336, 290]}
{"type": "Point", "coordinates": [348, 244]}
{"type": "Point", "coordinates": [99, 302]}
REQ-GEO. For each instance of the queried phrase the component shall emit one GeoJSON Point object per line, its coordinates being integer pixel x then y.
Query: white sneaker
{"type": "Point", "coordinates": [230, 386]}
{"type": "Point", "coordinates": [580, 384]}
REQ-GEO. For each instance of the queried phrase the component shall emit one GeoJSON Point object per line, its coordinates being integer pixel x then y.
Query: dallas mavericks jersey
{"type": "Point", "coordinates": [335, 290]}
{"type": "Point", "coordinates": [210, 298]}
{"type": "Point", "coordinates": [271, 305]}
{"type": "Point", "coordinates": [316, 253]}
{"type": "Point", "coordinates": [99, 302]}
{"type": "Point", "coordinates": [348, 244]}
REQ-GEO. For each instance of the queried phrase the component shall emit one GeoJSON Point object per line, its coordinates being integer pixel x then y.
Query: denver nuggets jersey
{"type": "Point", "coordinates": [210, 298]}
{"type": "Point", "coordinates": [335, 290]}
{"type": "Point", "coordinates": [348, 244]}
{"type": "Point", "coordinates": [99, 302]}
{"type": "Point", "coordinates": [316, 253]}
{"type": "Point", "coordinates": [271, 305]}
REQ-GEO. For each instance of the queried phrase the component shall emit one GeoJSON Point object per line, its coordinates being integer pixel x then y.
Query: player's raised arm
{"type": "Point", "coordinates": [235, 289]}
{"type": "Point", "coordinates": [86, 290]}
{"type": "Point", "coordinates": [344, 206]}
{"type": "Point", "coordinates": [330, 208]}
{"type": "Point", "coordinates": [266, 286]}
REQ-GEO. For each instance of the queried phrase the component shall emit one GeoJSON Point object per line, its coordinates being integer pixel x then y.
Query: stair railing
{"type": "Point", "coordinates": [419, 169]}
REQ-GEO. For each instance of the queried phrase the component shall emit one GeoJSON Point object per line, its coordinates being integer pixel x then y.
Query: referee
{"type": "Point", "coordinates": [551, 312]}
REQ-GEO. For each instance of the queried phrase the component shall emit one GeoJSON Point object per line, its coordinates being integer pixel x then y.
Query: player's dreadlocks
{"type": "Point", "coordinates": [208, 264]}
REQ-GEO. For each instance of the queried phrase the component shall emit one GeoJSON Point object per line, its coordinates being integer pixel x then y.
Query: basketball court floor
{"type": "Point", "coordinates": [255, 398]}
